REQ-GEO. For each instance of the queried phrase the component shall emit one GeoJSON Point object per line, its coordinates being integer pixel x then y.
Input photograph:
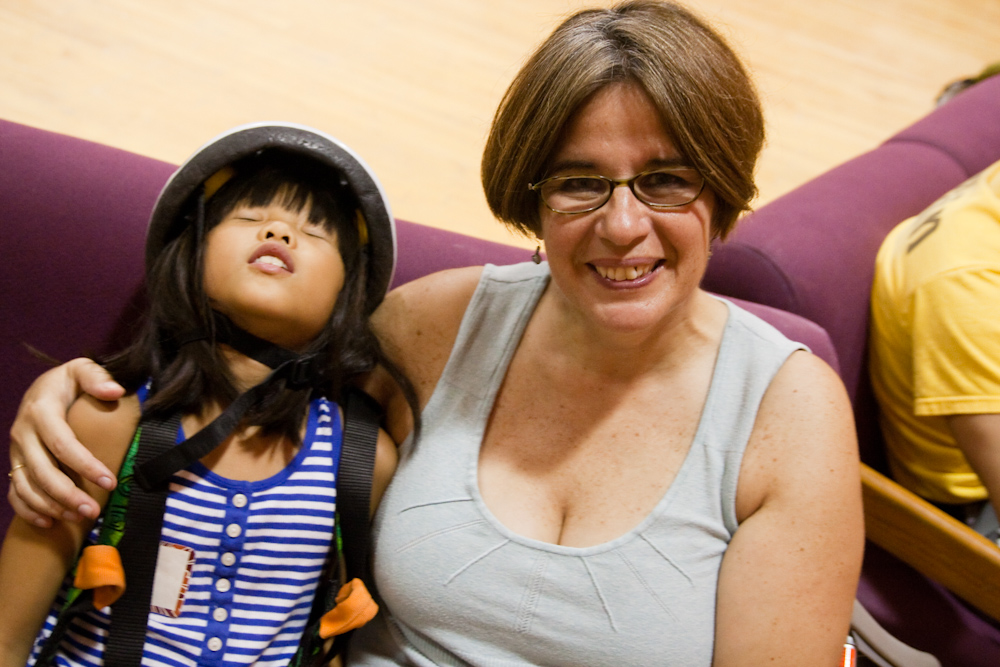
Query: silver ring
{"type": "Point", "coordinates": [10, 475]}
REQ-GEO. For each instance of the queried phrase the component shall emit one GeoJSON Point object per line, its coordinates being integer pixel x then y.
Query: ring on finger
{"type": "Point", "coordinates": [10, 475]}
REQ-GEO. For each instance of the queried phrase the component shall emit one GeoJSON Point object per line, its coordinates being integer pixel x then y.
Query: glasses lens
{"type": "Point", "coordinates": [574, 193]}
{"type": "Point", "coordinates": [668, 187]}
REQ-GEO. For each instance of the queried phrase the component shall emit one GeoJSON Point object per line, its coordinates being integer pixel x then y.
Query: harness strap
{"type": "Point", "coordinates": [139, 548]}
{"type": "Point", "coordinates": [154, 473]}
{"type": "Point", "coordinates": [80, 605]}
{"type": "Point", "coordinates": [298, 372]}
{"type": "Point", "coordinates": [362, 415]}
{"type": "Point", "coordinates": [354, 479]}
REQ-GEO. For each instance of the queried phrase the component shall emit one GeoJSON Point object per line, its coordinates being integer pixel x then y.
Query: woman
{"type": "Point", "coordinates": [615, 467]}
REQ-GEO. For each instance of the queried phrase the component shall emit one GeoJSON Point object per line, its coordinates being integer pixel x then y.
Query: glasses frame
{"type": "Point", "coordinates": [615, 182]}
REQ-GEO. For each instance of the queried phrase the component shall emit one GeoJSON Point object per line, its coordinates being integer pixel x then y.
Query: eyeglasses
{"type": "Point", "coordinates": [659, 188]}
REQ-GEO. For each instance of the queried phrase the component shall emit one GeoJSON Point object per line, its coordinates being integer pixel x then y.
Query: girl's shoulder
{"type": "Point", "coordinates": [106, 428]}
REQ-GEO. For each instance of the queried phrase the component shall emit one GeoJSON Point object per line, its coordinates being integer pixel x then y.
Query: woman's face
{"type": "Point", "coordinates": [624, 267]}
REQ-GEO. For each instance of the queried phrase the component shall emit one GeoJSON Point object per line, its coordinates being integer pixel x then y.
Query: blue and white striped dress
{"type": "Point", "coordinates": [259, 552]}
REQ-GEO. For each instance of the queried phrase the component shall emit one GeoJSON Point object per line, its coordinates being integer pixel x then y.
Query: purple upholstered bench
{"type": "Point", "coordinates": [74, 214]}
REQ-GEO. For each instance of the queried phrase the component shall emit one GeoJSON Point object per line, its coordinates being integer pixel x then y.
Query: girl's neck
{"type": "Point", "coordinates": [246, 372]}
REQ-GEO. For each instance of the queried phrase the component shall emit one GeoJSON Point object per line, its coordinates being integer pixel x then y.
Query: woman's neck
{"type": "Point", "coordinates": [624, 354]}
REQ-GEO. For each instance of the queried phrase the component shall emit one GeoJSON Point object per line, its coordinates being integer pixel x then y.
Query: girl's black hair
{"type": "Point", "coordinates": [175, 340]}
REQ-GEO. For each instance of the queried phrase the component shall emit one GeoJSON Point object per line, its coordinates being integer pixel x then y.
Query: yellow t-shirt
{"type": "Point", "coordinates": [935, 335]}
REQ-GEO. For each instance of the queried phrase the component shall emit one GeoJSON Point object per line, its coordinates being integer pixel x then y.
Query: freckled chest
{"type": "Point", "coordinates": [572, 458]}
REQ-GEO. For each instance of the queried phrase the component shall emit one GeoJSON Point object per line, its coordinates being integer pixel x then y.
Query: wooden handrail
{"type": "Point", "coordinates": [932, 542]}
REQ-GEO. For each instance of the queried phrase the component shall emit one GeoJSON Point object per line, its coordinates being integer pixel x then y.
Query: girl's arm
{"type": "Point", "coordinates": [34, 561]}
{"type": "Point", "coordinates": [789, 576]}
{"type": "Point", "coordinates": [386, 458]}
{"type": "Point", "coordinates": [41, 491]}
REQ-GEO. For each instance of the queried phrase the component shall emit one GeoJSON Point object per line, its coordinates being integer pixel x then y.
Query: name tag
{"type": "Point", "coordinates": [170, 583]}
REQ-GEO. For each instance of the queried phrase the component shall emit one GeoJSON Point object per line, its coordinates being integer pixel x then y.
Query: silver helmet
{"type": "Point", "coordinates": [167, 221]}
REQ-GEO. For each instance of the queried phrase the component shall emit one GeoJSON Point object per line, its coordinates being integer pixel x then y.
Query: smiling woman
{"type": "Point", "coordinates": [619, 459]}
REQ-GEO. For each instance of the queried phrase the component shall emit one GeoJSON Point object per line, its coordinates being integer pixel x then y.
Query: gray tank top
{"type": "Point", "coordinates": [458, 588]}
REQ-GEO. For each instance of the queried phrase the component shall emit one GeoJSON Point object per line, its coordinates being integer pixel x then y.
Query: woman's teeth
{"type": "Point", "coordinates": [624, 272]}
{"type": "Point", "coordinates": [270, 259]}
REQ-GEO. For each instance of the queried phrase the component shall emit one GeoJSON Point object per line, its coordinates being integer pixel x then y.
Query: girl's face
{"type": "Point", "coordinates": [625, 266]}
{"type": "Point", "coordinates": [273, 272]}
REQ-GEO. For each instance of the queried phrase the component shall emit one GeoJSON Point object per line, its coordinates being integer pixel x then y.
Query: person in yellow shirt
{"type": "Point", "coordinates": [935, 350]}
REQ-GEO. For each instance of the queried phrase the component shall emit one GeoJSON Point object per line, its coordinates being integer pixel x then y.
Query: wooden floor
{"type": "Point", "coordinates": [412, 84]}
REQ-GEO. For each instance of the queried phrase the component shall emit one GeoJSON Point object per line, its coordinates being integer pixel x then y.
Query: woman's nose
{"type": "Point", "coordinates": [624, 218]}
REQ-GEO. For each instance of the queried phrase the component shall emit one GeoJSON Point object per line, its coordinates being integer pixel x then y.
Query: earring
{"type": "Point", "coordinates": [537, 257]}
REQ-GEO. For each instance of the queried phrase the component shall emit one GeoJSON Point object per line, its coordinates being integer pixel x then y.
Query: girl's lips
{"type": "Point", "coordinates": [272, 257]}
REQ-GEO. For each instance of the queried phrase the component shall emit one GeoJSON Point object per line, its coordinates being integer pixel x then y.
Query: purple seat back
{"type": "Point", "coordinates": [73, 214]}
{"type": "Point", "coordinates": [812, 252]}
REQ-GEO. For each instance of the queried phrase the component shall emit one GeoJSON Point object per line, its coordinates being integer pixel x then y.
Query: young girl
{"type": "Point", "coordinates": [268, 249]}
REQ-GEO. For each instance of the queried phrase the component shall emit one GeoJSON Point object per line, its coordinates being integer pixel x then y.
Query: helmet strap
{"type": "Point", "coordinates": [297, 371]}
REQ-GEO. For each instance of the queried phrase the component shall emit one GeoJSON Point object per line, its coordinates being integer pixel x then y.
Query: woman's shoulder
{"type": "Point", "coordinates": [804, 429]}
{"type": "Point", "coordinates": [426, 312]}
{"type": "Point", "coordinates": [417, 325]}
{"type": "Point", "coordinates": [759, 328]}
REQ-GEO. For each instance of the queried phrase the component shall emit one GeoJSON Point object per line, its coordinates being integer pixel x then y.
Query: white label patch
{"type": "Point", "coordinates": [173, 572]}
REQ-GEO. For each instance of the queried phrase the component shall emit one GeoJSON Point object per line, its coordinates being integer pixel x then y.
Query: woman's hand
{"type": "Point", "coordinates": [39, 490]}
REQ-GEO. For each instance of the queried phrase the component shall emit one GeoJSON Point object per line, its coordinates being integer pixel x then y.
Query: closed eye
{"type": "Point", "coordinates": [317, 230]}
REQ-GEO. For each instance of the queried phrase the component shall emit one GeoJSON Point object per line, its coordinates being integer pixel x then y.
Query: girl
{"type": "Point", "coordinates": [268, 248]}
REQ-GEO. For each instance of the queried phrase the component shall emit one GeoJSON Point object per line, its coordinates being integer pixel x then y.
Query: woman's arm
{"type": "Point", "coordinates": [417, 325]}
{"type": "Point", "coordinates": [34, 561]}
{"type": "Point", "coordinates": [789, 577]}
{"type": "Point", "coordinates": [40, 491]}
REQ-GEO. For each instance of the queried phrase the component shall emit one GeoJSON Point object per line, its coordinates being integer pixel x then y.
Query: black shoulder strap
{"type": "Point", "coordinates": [139, 549]}
{"type": "Point", "coordinates": [362, 415]}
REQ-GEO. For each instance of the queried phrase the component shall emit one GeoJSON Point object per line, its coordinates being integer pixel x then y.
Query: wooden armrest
{"type": "Point", "coordinates": [932, 542]}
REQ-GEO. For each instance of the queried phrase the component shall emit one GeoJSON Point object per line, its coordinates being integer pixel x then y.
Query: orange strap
{"type": "Point", "coordinates": [100, 568]}
{"type": "Point", "coordinates": [354, 608]}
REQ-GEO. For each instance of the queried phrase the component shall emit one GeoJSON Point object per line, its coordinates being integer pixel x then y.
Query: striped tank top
{"type": "Point", "coordinates": [251, 554]}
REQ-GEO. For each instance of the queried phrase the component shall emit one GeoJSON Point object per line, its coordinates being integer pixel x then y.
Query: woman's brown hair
{"type": "Point", "coordinates": [705, 97]}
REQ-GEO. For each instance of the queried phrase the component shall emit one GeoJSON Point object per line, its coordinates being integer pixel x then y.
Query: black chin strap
{"type": "Point", "coordinates": [298, 372]}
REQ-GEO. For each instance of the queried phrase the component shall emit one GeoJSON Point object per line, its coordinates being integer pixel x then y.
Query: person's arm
{"type": "Point", "coordinates": [386, 458]}
{"type": "Point", "coordinates": [40, 491]}
{"type": "Point", "coordinates": [789, 576]}
{"type": "Point", "coordinates": [34, 561]}
{"type": "Point", "coordinates": [417, 325]}
{"type": "Point", "coordinates": [978, 436]}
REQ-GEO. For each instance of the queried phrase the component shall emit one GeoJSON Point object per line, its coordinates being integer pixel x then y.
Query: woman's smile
{"type": "Point", "coordinates": [631, 275]}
